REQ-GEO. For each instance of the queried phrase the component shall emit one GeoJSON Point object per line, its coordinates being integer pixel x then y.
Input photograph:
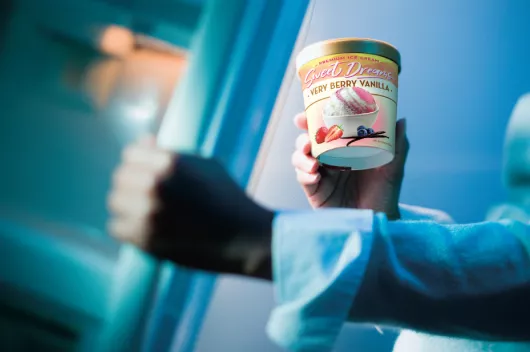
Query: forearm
{"type": "Point", "coordinates": [319, 257]}
{"type": "Point", "coordinates": [261, 267]}
{"type": "Point", "coordinates": [257, 239]}
{"type": "Point", "coordinates": [336, 265]}
{"type": "Point", "coordinates": [468, 280]}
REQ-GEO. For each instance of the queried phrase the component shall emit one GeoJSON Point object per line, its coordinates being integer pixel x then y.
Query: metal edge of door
{"type": "Point", "coordinates": [241, 119]}
{"type": "Point", "coordinates": [182, 130]}
{"type": "Point", "coordinates": [202, 134]}
{"type": "Point", "coordinates": [261, 159]}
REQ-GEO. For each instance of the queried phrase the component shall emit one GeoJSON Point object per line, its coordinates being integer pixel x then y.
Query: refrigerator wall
{"type": "Point", "coordinates": [78, 81]}
{"type": "Point", "coordinates": [81, 80]}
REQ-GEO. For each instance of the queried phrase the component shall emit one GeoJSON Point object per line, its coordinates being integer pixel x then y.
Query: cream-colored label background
{"type": "Point", "coordinates": [316, 96]}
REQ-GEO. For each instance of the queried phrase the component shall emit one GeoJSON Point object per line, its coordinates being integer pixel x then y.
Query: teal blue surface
{"type": "Point", "coordinates": [61, 152]}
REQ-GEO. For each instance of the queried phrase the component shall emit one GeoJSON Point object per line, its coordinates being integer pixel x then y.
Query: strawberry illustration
{"type": "Point", "coordinates": [320, 136]}
{"type": "Point", "coordinates": [335, 132]}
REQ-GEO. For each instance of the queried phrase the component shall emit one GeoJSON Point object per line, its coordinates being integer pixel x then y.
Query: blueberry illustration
{"type": "Point", "coordinates": [362, 133]}
{"type": "Point", "coordinates": [370, 130]}
{"type": "Point", "coordinates": [361, 127]}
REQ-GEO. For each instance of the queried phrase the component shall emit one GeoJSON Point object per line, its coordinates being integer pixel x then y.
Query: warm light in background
{"type": "Point", "coordinates": [100, 80]}
{"type": "Point", "coordinates": [116, 41]}
{"type": "Point", "coordinates": [133, 92]}
{"type": "Point", "coordinates": [134, 66]}
{"type": "Point", "coordinates": [128, 80]}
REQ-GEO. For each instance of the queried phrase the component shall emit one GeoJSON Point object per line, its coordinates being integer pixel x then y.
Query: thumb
{"type": "Point", "coordinates": [402, 142]}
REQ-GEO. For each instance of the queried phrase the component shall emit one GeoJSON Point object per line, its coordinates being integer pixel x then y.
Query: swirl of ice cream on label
{"type": "Point", "coordinates": [350, 101]}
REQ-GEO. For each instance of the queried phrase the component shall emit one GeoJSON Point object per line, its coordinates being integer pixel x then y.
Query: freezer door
{"type": "Point", "coordinates": [222, 108]}
{"type": "Point", "coordinates": [88, 73]}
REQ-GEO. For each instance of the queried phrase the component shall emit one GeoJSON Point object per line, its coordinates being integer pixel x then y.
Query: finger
{"type": "Point", "coordinates": [330, 173]}
{"type": "Point", "coordinates": [300, 121]}
{"type": "Point", "coordinates": [310, 183]}
{"type": "Point", "coordinates": [134, 179]}
{"type": "Point", "coordinates": [126, 230]}
{"type": "Point", "coordinates": [147, 156]}
{"type": "Point", "coordinates": [303, 144]}
{"type": "Point", "coordinates": [304, 162]}
{"type": "Point", "coordinates": [402, 143]}
{"type": "Point", "coordinates": [131, 206]}
{"type": "Point", "coordinates": [306, 179]}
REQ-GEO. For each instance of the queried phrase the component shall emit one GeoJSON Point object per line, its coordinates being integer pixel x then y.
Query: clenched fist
{"type": "Point", "coordinates": [189, 210]}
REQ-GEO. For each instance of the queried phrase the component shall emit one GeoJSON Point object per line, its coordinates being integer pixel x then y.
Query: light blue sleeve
{"type": "Point", "coordinates": [319, 259]}
{"type": "Point", "coordinates": [467, 280]}
{"type": "Point", "coordinates": [319, 262]}
{"type": "Point", "coordinates": [336, 265]}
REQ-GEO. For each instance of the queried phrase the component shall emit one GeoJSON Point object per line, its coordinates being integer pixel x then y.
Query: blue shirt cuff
{"type": "Point", "coordinates": [319, 261]}
{"type": "Point", "coordinates": [415, 213]}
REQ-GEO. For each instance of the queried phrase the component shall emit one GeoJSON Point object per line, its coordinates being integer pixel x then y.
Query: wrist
{"type": "Point", "coordinates": [394, 214]}
{"type": "Point", "coordinates": [258, 261]}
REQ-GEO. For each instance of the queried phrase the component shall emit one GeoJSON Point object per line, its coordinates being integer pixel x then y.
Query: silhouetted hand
{"type": "Point", "coordinates": [377, 189]}
{"type": "Point", "coordinates": [189, 210]}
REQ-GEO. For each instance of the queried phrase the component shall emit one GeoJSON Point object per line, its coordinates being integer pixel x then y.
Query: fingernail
{"type": "Point", "coordinates": [312, 166]}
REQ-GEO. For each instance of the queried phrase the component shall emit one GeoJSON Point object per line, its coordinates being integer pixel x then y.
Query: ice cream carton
{"type": "Point", "coordinates": [350, 89]}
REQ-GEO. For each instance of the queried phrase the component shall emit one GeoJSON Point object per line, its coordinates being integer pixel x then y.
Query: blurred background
{"type": "Point", "coordinates": [79, 80]}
